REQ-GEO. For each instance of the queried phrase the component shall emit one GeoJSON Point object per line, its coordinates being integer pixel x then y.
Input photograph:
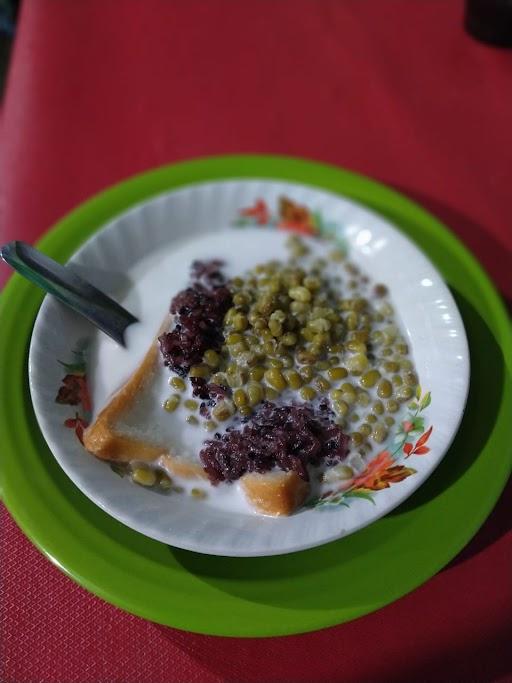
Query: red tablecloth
{"type": "Point", "coordinates": [391, 88]}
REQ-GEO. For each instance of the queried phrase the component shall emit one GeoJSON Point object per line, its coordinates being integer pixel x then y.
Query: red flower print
{"type": "Point", "coordinates": [78, 424]}
{"type": "Point", "coordinates": [407, 426]}
{"type": "Point", "coordinates": [295, 217]}
{"type": "Point", "coordinates": [419, 448]}
{"type": "Point", "coordinates": [259, 212]}
{"type": "Point", "coordinates": [74, 391]}
{"type": "Point", "coordinates": [380, 473]}
{"type": "Point", "coordinates": [374, 468]}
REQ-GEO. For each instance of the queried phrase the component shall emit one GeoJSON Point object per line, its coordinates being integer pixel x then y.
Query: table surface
{"type": "Point", "coordinates": [389, 88]}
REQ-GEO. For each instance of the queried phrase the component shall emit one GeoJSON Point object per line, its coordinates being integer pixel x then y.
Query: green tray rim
{"type": "Point", "coordinates": [20, 299]}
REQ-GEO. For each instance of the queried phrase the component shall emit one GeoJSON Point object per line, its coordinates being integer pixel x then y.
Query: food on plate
{"type": "Point", "coordinates": [275, 381]}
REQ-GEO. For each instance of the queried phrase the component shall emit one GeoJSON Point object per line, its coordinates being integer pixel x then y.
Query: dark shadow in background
{"type": "Point", "coordinates": [8, 17]}
{"type": "Point", "coordinates": [480, 658]}
{"type": "Point", "coordinates": [495, 527]}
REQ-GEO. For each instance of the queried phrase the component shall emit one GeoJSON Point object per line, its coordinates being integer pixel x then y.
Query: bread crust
{"type": "Point", "coordinates": [272, 493]}
{"type": "Point", "coordinates": [103, 437]}
{"type": "Point", "coordinates": [275, 493]}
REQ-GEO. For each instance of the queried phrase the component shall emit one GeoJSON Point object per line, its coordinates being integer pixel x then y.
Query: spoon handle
{"type": "Point", "coordinates": [69, 288]}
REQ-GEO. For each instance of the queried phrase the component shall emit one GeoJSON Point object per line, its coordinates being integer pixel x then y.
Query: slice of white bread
{"type": "Point", "coordinates": [273, 493]}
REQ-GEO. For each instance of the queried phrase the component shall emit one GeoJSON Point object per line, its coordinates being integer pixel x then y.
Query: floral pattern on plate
{"type": "Point", "coordinates": [291, 216]}
{"type": "Point", "coordinates": [387, 466]}
{"type": "Point", "coordinates": [74, 390]}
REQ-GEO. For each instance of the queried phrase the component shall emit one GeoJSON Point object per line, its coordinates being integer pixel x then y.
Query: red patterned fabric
{"type": "Point", "coordinates": [99, 91]}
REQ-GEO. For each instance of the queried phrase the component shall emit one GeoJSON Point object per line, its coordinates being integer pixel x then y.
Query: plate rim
{"type": "Point", "coordinates": [375, 195]}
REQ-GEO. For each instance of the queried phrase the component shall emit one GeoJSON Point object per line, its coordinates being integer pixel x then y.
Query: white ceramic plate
{"type": "Point", "coordinates": [426, 310]}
